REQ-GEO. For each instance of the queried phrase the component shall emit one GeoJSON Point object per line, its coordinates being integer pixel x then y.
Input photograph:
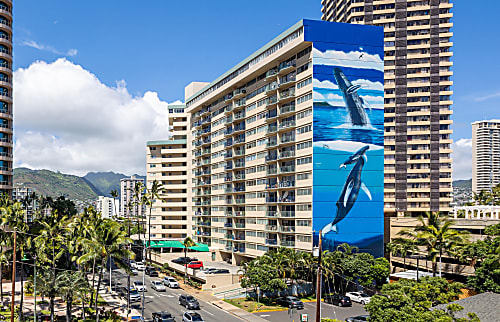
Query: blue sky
{"type": "Point", "coordinates": [161, 46]}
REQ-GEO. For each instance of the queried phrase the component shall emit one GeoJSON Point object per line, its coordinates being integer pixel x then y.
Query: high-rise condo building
{"type": "Point", "coordinates": [26, 196]}
{"type": "Point", "coordinates": [289, 142]}
{"type": "Point", "coordinates": [417, 97]}
{"type": "Point", "coordinates": [167, 163]}
{"type": "Point", "coordinates": [6, 119]}
{"type": "Point", "coordinates": [485, 155]}
{"type": "Point", "coordinates": [107, 206]}
{"type": "Point", "coordinates": [130, 206]}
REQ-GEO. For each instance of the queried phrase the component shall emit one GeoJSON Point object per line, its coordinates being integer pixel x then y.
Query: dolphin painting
{"type": "Point", "coordinates": [351, 188]}
{"type": "Point", "coordinates": [354, 103]}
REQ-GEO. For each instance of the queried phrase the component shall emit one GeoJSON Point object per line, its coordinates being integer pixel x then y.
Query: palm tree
{"type": "Point", "coordinates": [67, 284]}
{"type": "Point", "coordinates": [401, 247]}
{"type": "Point", "coordinates": [188, 242]}
{"type": "Point", "coordinates": [114, 194]}
{"type": "Point", "coordinates": [437, 236]}
{"type": "Point", "coordinates": [151, 195]}
{"type": "Point", "coordinates": [4, 260]}
{"type": "Point", "coordinates": [347, 249]}
{"type": "Point", "coordinates": [107, 240]}
{"type": "Point", "coordinates": [50, 248]}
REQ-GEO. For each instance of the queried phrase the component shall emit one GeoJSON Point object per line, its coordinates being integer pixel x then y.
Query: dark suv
{"type": "Point", "coordinates": [183, 260]}
{"type": "Point", "coordinates": [163, 316]}
{"type": "Point", "coordinates": [189, 302]}
{"type": "Point", "coordinates": [337, 299]}
{"type": "Point", "coordinates": [290, 301]}
{"type": "Point", "coordinates": [151, 271]}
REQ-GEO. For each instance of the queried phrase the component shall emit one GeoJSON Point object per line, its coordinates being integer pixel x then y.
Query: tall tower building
{"type": "Point", "coordinates": [167, 163]}
{"type": "Point", "coordinates": [107, 206]}
{"type": "Point", "coordinates": [417, 97]}
{"type": "Point", "coordinates": [6, 119]}
{"type": "Point", "coordinates": [485, 155]}
{"type": "Point", "coordinates": [129, 206]}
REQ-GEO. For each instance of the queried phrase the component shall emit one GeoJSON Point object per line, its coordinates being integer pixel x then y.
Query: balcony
{"type": "Point", "coordinates": [287, 154]}
{"type": "Point", "coordinates": [271, 88]}
{"type": "Point", "coordinates": [286, 66]}
{"type": "Point", "coordinates": [239, 201]}
{"type": "Point", "coordinates": [287, 138]}
{"type": "Point", "coordinates": [228, 131]}
{"type": "Point", "coordinates": [239, 225]}
{"type": "Point", "coordinates": [272, 171]}
{"type": "Point", "coordinates": [270, 158]}
{"type": "Point", "coordinates": [271, 214]}
{"type": "Point", "coordinates": [239, 139]}
{"type": "Point", "coordinates": [287, 169]}
{"type": "Point", "coordinates": [240, 103]}
{"type": "Point", "coordinates": [239, 116]}
{"type": "Point", "coordinates": [271, 228]}
{"type": "Point", "coordinates": [272, 143]}
{"type": "Point", "coordinates": [228, 225]}
{"type": "Point", "coordinates": [239, 237]}
{"type": "Point", "coordinates": [228, 190]}
{"type": "Point", "coordinates": [228, 213]}
{"type": "Point", "coordinates": [287, 124]}
{"type": "Point", "coordinates": [287, 199]}
{"type": "Point", "coordinates": [286, 81]}
{"type": "Point", "coordinates": [228, 97]}
{"type": "Point", "coordinates": [228, 166]}
{"type": "Point", "coordinates": [287, 214]}
{"type": "Point", "coordinates": [272, 199]}
{"type": "Point", "coordinates": [239, 176]}
{"type": "Point", "coordinates": [287, 108]}
{"type": "Point", "coordinates": [228, 178]}
{"type": "Point", "coordinates": [271, 73]}
{"type": "Point", "coordinates": [240, 92]}
{"type": "Point", "coordinates": [240, 127]}
{"type": "Point", "coordinates": [272, 114]}
{"type": "Point", "coordinates": [229, 236]}
{"type": "Point", "coordinates": [287, 184]}
{"type": "Point", "coordinates": [287, 243]}
{"type": "Point", "coordinates": [272, 129]}
{"type": "Point", "coordinates": [240, 164]}
{"type": "Point", "coordinates": [239, 189]}
{"type": "Point", "coordinates": [239, 213]}
{"type": "Point", "coordinates": [228, 109]}
{"type": "Point", "coordinates": [272, 185]}
{"type": "Point", "coordinates": [228, 155]}
{"type": "Point", "coordinates": [271, 241]}
{"type": "Point", "coordinates": [239, 152]}
{"type": "Point", "coordinates": [287, 95]}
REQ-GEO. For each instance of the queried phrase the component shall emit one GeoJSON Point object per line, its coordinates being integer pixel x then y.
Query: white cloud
{"type": "Point", "coordinates": [369, 85]}
{"type": "Point", "coordinates": [42, 47]}
{"type": "Point", "coordinates": [353, 59]}
{"type": "Point", "coordinates": [324, 84]}
{"type": "Point", "coordinates": [67, 120]}
{"type": "Point", "coordinates": [462, 159]}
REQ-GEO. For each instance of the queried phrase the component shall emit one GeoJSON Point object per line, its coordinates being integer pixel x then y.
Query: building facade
{"type": "Point", "coordinates": [485, 155]}
{"type": "Point", "coordinates": [6, 119]}
{"type": "Point", "coordinates": [167, 163]}
{"type": "Point", "coordinates": [417, 97]}
{"type": "Point", "coordinates": [284, 145]}
{"type": "Point", "coordinates": [129, 207]}
{"type": "Point", "coordinates": [27, 197]}
{"type": "Point", "coordinates": [107, 206]}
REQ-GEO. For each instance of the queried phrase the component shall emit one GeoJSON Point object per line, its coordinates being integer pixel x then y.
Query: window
{"type": "Point", "coordinates": [303, 114]}
{"type": "Point", "coordinates": [304, 129]}
{"type": "Point", "coordinates": [304, 98]}
{"type": "Point", "coordinates": [304, 145]}
{"type": "Point", "coordinates": [304, 160]}
{"type": "Point", "coordinates": [303, 223]}
{"type": "Point", "coordinates": [304, 239]}
{"type": "Point", "coordinates": [304, 83]}
{"type": "Point", "coordinates": [303, 68]}
{"type": "Point", "coordinates": [304, 207]}
{"type": "Point", "coordinates": [303, 176]}
{"type": "Point", "coordinates": [304, 192]}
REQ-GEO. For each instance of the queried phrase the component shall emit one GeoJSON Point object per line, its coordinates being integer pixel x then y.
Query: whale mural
{"type": "Point", "coordinates": [348, 143]}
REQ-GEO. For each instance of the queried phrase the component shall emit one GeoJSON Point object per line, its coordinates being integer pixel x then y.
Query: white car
{"type": "Point", "coordinates": [359, 297]}
{"type": "Point", "coordinates": [140, 266]}
{"type": "Point", "coordinates": [170, 282]}
{"type": "Point", "coordinates": [191, 316]}
{"type": "Point", "coordinates": [158, 286]}
{"type": "Point", "coordinates": [139, 286]}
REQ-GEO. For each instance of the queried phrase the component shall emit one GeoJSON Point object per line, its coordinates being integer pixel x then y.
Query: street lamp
{"type": "Point", "coordinates": [417, 257]}
{"type": "Point", "coordinates": [34, 280]}
{"type": "Point", "coordinates": [317, 253]}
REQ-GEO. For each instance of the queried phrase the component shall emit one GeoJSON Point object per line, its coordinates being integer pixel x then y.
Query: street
{"type": "Point", "coordinates": [169, 301]}
{"type": "Point", "coordinates": [327, 311]}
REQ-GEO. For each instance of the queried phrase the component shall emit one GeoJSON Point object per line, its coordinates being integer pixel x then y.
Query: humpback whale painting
{"type": "Point", "coordinates": [351, 188]}
{"type": "Point", "coordinates": [348, 145]}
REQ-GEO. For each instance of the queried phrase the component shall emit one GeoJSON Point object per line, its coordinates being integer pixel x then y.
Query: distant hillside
{"type": "Point", "coordinates": [55, 184]}
{"type": "Point", "coordinates": [107, 181]}
{"type": "Point", "coordinates": [463, 183]}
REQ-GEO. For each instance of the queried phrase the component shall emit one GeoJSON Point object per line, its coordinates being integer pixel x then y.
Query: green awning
{"type": "Point", "coordinates": [176, 244]}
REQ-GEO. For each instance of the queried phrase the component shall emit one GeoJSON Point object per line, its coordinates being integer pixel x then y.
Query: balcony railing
{"type": "Point", "coordinates": [287, 169]}
{"type": "Point", "coordinates": [286, 65]}
{"type": "Point", "coordinates": [287, 124]}
{"type": "Point", "coordinates": [273, 185]}
{"type": "Point", "coordinates": [271, 214]}
{"type": "Point", "coordinates": [239, 225]}
{"type": "Point", "coordinates": [271, 199]}
{"type": "Point", "coordinates": [287, 154]}
{"type": "Point", "coordinates": [239, 176]}
{"type": "Point", "coordinates": [287, 214]}
{"type": "Point", "coordinates": [287, 184]}
{"type": "Point", "coordinates": [271, 241]}
{"type": "Point", "coordinates": [287, 243]}
{"type": "Point", "coordinates": [271, 227]}
{"type": "Point", "coordinates": [271, 171]}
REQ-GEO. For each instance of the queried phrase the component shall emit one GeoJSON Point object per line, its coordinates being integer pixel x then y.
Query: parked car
{"type": "Point", "coordinates": [359, 297]}
{"type": "Point", "coordinates": [210, 270]}
{"type": "Point", "coordinates": [359, 318]}
{"type": "Point", "coordinates": [134, 272]}
{"type": "Point", "coordinates": [195, 264]}
{"type": "Point", "coordinates": [189, 302]}
{"type": "Point", "coordinates": [170, 282]}
{"type": "Point", "coordinates": [133, 263]}
{"type": "Point", "coordinates": [183, 260]}
{"type": "Point", "coordinates": [162, 316]}
{"type": "Point", "coordinates": [140, 286]}
{"type": "Point", "coordinates": [290, 301]}
{"type": "Point", "coordinates": [192, 317]}
{"type": "Point", "coordinates": [337, 299]}
{"type": "Point", "coordinates": [158, 286]}
{"type": "Point", "coordinates": [140, 266]}
{"type": "Point", "coordinates": [151, 271]}
{"type": "Point", "coordinates": [222, 271]}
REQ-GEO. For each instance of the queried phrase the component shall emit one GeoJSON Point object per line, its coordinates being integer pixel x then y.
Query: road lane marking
{"type": "Point", "coordinates": [207, 312]}
{"type": "Point", "coordinates": [264, 315]}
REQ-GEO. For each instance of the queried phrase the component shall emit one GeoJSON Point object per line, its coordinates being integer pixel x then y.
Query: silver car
{"type": "Point", "coordinates": [158, 286]}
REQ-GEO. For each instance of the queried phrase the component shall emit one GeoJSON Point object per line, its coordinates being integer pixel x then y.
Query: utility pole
{"type": "Point", "coordinates": [34, 285]}
{"type": "Point", "coordinates": [143, 281]}
{"type": "Point", "coordinates": [318, 282]}
{"type": "Point", "coordinates": [13, 279]}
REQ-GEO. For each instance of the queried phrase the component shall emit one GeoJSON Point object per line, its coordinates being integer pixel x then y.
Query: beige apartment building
{"type": "Point", "coordinates": [485, 155]}
{"type": "Point", "coordinates": [167, 162]}
{"type": "Point", "coordinates": [250, 147]}
{"type": "Point", "coordinates": [6, 119]}
{"type": "Point", "coordinates": [417, 97]}
{"type": "Point", "coordinates": [107, 206]}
